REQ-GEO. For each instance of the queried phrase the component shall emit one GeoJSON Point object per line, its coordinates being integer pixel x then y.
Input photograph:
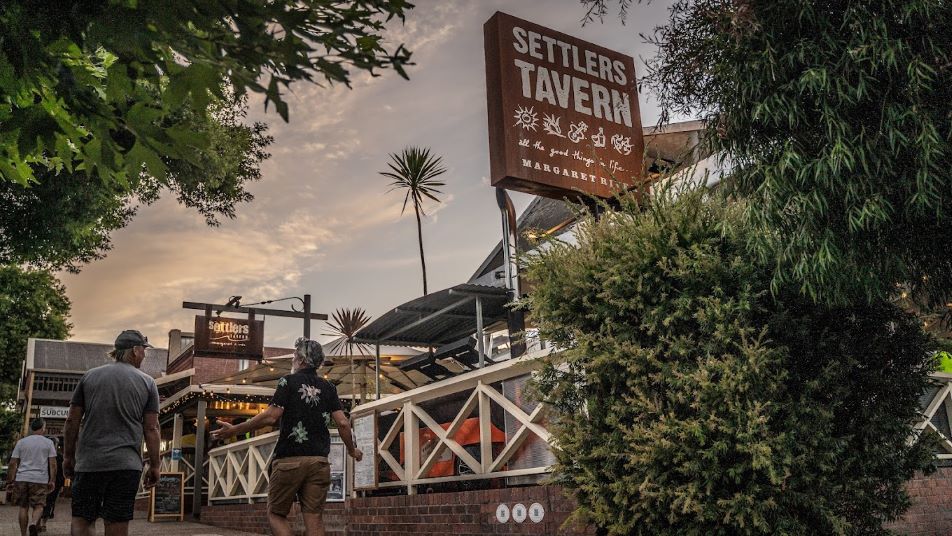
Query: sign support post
{"type": "Point", "coordinates": [307, 316]}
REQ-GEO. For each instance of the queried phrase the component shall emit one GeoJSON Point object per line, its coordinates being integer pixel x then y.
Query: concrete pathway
{"type": "Point", "coordinates": [59, 526]}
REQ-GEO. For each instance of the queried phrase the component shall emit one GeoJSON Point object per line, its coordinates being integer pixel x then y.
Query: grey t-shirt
{"type": "Point", "coordinates": [34, 452]}
{"type": "Point", "coordinates": [115, 399]}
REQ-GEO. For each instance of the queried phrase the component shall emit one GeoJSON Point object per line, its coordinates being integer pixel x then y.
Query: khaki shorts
{"type": "Point", "coordinates": [308, 477]}
{"type": "Point", "coordinates": [30, 495]}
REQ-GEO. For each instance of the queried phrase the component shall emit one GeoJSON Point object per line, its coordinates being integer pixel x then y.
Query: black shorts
{"type": "Point", "coordinates": [110, 495]}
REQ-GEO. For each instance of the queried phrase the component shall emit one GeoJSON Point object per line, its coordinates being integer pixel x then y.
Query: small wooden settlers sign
{"type": "Point", "coordinates": [167, 500]}
{"type": "Point", "coordinates": [229, 337]}
{"type": "Point", "coordinates": [563, 113]}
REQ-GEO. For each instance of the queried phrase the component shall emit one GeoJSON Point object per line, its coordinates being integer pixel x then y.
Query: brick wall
{"type": "Point", "coordinates": [931, 511]}
{"type": "Point", "coordinates": [208, 369]}
{"type": "Point", "coordinates": [466, 513]}
{"type": "Point", "coordinates": [473, 513]}
{"type": "Point", "coordinates": [254, 518]}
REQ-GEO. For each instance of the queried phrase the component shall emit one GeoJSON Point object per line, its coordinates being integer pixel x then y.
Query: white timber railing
{"type": "Point", "coordinates": [184, 466]}
{"type": "Point", "coordinates": [937, 413]}
{"type": "Point", "coordinates": [238, 472]}
{"type": "Point", "coordinates": [524, 421]}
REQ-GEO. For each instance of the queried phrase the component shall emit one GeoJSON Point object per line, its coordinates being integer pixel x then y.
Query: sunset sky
{"type": "Point", "coordinates": [322, 221]}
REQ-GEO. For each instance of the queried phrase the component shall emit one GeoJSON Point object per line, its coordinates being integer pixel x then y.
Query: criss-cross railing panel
{"type": "Point", "coordinates": [414, 420]}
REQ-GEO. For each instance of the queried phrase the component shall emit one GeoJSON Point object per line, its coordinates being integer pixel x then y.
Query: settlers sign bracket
{"type": "Point", "coordinates": [248, 339]}
{"type": "Point", "coordinates": [209, 307]}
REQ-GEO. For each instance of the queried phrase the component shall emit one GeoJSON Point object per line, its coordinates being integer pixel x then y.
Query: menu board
{"type": "Point", "coordinates": [337, 490]}
{"type": "Point", "coordinates": [365, 435]}
{"type": "Point", "coordinates": [167, 498]}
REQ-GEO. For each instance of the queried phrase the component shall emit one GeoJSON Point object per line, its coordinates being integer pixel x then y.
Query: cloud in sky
{"type": "Point", "coordinates": [322, 221]}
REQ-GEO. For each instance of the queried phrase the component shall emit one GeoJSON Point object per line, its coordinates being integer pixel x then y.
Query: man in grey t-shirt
{"type": "Point", "coordinates": [117, 405]}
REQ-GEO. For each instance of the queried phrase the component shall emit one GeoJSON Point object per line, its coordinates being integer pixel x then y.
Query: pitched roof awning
{"type": "Point", "coordinates": [438, 318]}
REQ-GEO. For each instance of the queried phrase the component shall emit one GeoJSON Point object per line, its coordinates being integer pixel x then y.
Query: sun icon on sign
{"type": "Point", "coordinates": [526, 118]}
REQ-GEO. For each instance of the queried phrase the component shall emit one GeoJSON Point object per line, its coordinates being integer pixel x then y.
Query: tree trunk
{"type": "Point", "coordinates": [419, 227]}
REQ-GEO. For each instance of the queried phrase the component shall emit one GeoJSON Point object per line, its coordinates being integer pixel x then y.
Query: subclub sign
{"type": "Point", "coordinates": [563, 113]}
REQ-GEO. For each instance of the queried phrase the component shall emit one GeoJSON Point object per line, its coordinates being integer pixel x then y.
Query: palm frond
{"type": "Point", "coordinates": [346, 322]}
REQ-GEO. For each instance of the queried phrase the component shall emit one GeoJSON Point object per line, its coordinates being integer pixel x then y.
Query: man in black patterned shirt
{"type": "Point", "coordinates": [300, 466]}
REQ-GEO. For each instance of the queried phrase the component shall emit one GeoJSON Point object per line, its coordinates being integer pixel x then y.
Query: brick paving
{"type": "Point", "coordinates": [59, 526]}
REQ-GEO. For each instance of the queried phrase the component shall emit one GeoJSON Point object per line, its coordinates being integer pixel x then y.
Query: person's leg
{"type": "Point", "coordinates": [280, 526]}
{"type": "Point", "coordinates": [23, 516]}
{"type": "Point", "coordinates": [313, 524]}
{"type": "Point", "coordinates": [285, 479]}
{"type": "Point", "coordinates": [313, 495]}
{"type": "Point", "coordinates": [86, 503]}
{"type": "Point", "coordinates": [37, 513]}
{"type": "Point", "coordinates": [116, 528]}
{"type": "Point", "coordinates": [82, 527]}
{"type": "Point", "coordinates": [118, 503]}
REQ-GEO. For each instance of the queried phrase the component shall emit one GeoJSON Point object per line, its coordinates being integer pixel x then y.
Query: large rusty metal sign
{"type": "Point", "coordinates": [563, 113]}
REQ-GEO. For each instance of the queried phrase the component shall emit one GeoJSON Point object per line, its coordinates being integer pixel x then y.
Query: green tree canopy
{"type": "Point", "coordinates": [692, 400]}
{"type": "Point", "coordinates": [65, 219]}
{"type": "Point", "coordinates": [836, 117]}
{"type": "Point", "coordinates": [87, 86]}
{"type": "Point", "coordinates": [33, 303]}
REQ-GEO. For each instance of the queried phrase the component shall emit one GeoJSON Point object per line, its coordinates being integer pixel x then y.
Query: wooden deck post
{"type": "Point", "coordinates": [199, 460]}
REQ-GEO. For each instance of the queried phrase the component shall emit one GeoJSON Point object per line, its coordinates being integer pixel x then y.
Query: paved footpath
{"type": "Point", "coordinates": [59, 526]}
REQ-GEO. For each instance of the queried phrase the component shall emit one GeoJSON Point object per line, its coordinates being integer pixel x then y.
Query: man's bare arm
{"type": "Point", "coordinates": [150, 428]}
{"type": "Point", "coordinates": [268, 417]}
{"type": "Point", "coordinates": [52, 482]}
{"type": "Point", "coordinates": [71, 433]}
{"type": "Point", "coordinates": [12, 470]}
{"type": "Point", "coordinates": [343, 428]}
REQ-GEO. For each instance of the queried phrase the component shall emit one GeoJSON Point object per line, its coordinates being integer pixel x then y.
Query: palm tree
{"type": "Point", "coordinates": [415, 171]}
{"type": "Point", "coordinates": [344, 324]}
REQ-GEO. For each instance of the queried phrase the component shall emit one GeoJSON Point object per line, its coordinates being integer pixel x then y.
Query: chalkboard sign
{"type": "Point", "coordinates": [365, 435]}
{"type": "Point", "coordinates": [168, 497]}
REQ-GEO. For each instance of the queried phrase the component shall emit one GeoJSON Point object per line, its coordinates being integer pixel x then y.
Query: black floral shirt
{"type": "Point", "coordinates": [307, 400]}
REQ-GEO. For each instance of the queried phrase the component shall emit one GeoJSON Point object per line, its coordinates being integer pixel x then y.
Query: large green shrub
{"type": "Point", "coordinates": [836, 116]}
{"type": "Point", "coordinates": [692, 400]}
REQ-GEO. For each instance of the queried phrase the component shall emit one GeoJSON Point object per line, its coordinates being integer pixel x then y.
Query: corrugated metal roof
{"type": "Point", "coordinates": [338, 348]}
{"type": "Point", "coordinates": [402, 326]}
{"type": "Point", "coordinates": [542, 214]}
{"type": "Point", "coordinates": [79, 357]}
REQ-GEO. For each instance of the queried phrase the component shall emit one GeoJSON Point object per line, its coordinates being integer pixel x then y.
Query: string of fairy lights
{"type": "Point", "coordinates": [216, 397]}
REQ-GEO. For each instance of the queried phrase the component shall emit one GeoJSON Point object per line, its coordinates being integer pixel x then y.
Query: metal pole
{"type": "Point", "coordinates": [509, 229]}
{"type": "Point", "coordinates": [377, 369]}
{"type": "Point", "coordinates": [307, 316]}
{"type": "Point", "coordinates": [199, 460]}
{"type": "Point", "coordinates": [480, 333]}
{"type": "Point", "coordinates": [515, 319]}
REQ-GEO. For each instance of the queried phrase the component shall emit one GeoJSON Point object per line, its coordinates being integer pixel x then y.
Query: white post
{"type": "Point", "coordinates": [377, 370]}
{"type": "Point", "coordinates": [485, 430]}
{"type": "Point", "coordinates": [480, 333]}
{"type": "Point", "coordinates": [177, 421]}
{"type": "Point", "coordinates": [411, 438]}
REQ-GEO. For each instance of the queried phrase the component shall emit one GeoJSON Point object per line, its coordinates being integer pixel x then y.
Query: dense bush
{"type": "Point", "coordinates": [836, 116]}
{"type": "Point", "coordinates": [692, 400]}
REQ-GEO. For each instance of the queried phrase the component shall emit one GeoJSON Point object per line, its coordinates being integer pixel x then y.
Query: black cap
{"type": "Point", "coordinates": [131, 338]}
